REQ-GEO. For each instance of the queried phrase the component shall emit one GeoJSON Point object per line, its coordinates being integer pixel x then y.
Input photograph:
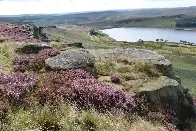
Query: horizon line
{"type": "Point", "coordinates": [80, 12]}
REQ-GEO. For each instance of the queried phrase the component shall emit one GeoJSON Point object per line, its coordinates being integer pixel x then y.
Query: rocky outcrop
{"type": "Point", "coordinates": [32, 48]}
{"type": "Point", "coordinates": [144, 55]}
{"type": "Point", "coordinates": [74, 58]}
{"type": "Point", "coordinates": [168, 93]}
{"type": "Point", "coordinates": [163, 64]}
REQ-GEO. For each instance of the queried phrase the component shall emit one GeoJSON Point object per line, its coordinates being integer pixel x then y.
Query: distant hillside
{"type": "Point", "coordinates": [156, 17]}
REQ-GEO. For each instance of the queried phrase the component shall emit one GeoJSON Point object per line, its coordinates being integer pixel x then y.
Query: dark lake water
{"type": "Point", "coordinates": [150, 34]}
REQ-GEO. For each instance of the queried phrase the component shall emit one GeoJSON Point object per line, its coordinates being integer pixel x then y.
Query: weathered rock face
{"type": "Point", "coordinates": [32, 48]}
{"type": "Point", "coordinates": [75, 58]}
{"type": "Point", "coordinates": [168, 93]}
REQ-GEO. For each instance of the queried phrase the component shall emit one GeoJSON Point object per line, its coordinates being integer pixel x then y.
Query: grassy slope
{"type": "Point", "coordinates": [38, 118]}
{"type": "Point", "coordinates": [75, 36]}
{"type": "Point", "coordinates": [185, 67]}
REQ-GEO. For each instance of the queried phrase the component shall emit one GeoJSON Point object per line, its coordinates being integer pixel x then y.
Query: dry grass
{"type": "Point", "coordinates": [67, 118]}
{"type": "Point", "coordinates": [143, 125]}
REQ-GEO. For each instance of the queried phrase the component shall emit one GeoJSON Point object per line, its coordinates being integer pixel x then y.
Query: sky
{"type": "Point", "coordinates": [15, 7]}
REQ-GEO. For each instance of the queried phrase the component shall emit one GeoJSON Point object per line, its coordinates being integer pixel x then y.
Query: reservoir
{"type": "Point", "coordinates": [133, 34]}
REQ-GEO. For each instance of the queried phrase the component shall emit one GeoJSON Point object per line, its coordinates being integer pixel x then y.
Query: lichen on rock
{"type": "Point", "coordinates": [74, 58]}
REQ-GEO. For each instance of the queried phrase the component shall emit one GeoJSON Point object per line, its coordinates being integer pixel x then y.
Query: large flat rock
{"type": "Point", "coordinates": [74, 58]}
{"type": "Point", "coordinates": [144, 55]}
{"type": "Point", "coordinates": [158, 84]}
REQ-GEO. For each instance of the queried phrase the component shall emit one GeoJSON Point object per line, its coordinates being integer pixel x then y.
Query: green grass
{"type": "Point", "coordinates": [185, 68]}
{"type": "Point", "coordinates": [7, 54]}
{"type": "Point", "coordinates": [76, 36]}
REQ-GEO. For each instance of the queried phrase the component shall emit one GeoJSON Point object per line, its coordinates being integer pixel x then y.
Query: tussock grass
{"type": "Point", "coordinates": [7, 54]}
{"type": "Point", "coordinates": [59, 46]}
{"type": "Point", "coordinates": [132, 73]}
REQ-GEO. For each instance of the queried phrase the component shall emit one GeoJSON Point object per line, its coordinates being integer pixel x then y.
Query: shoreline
{"type": "Point", "coordinates": [186, 29]}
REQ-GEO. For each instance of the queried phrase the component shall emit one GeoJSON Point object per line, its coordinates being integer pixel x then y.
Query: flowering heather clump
{"type": "Point", "coordinates": [49, 52]}
{"type": "Point", "coordinates": [80, 87]}
{"type": "Point", "coordinates": [58, 81]}
{"type": "Point", "coordinates": [15, 86]}
{"type": "Point", "coordinates": [171, 127]}
{"type": "Point", "coordinates": [28, 62]}
{"type": "Point", "coordinates": [100, 95]}
{"type": "Point", "coordinates": [33, 62]}
{"type": "Point", "coordinates": [16, 32]}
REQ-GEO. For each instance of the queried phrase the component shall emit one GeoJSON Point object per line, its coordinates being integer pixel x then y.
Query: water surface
{"type": "Point", "coordinates": [150, 34]}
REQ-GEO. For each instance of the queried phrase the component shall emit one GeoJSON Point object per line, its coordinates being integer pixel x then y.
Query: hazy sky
{"type": "Point", "coordinates": [13, 7]}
